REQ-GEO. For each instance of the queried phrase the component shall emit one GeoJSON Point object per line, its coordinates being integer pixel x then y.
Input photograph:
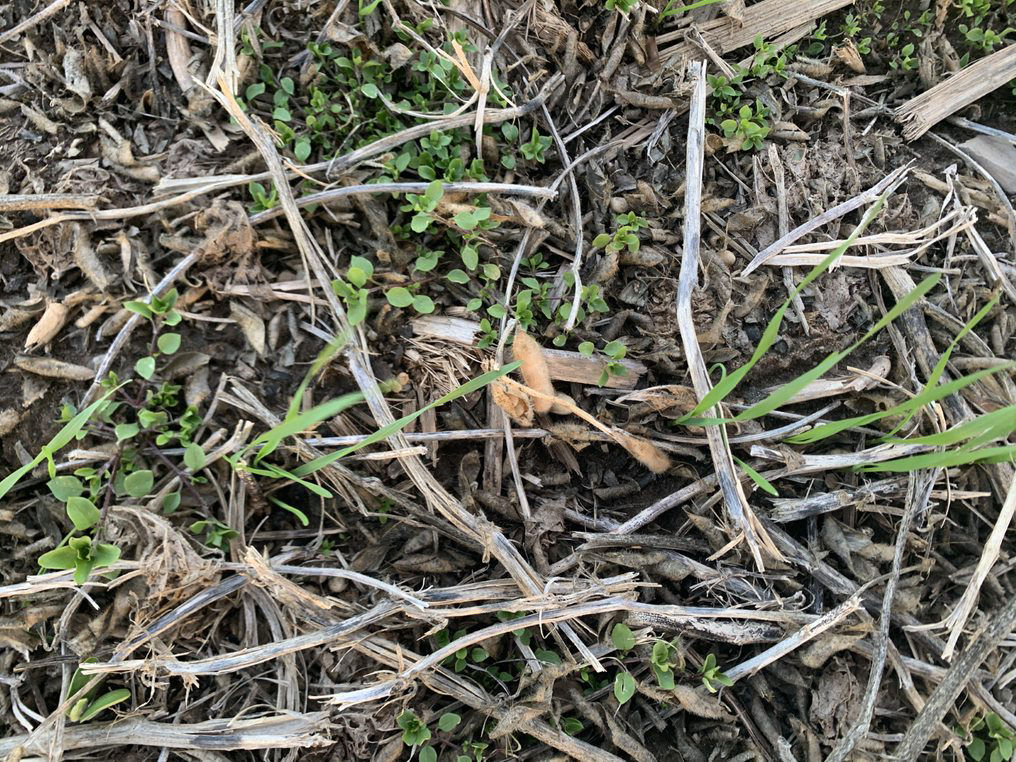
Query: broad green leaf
{"type": "Point", "coordinates": [427, 754]}
{"type": "Point", "coordinates": [624, 687]}
{"type": "Point", "coordinates": [60, 558]}
{"type": "Point", "coordinates": [82, 513]}
{"type": "Point", "coordinates": [622, 637]}
{"type": "Point", "coordinates": [105, 554]}
{"type": "Point", "coordinates": [386, 431]}
{"type": "Point", "coordinates": [81, 571]}
{"type": "Point", "coordinates": [105, 701]}
{"type": "Point", "coordinates": [448, 721]}
{"type": "Point", "coordinates": [194, 456]}
{"type": "Point", "coordinates": [370, 90]}
{"type": "Point", "coordinates": [145, 367]}
{"type": "Point", "coordinates": [664, 678]}
{"type": "Point", "coordinates": [168, 343]}
{"type": "Point", "coordinates": [140, 308]}
{"type": "Point", "coordinates": [302, 148]}
{"type": "Point", "coordinates": [64, 487]}
{"type": "Point", "coordinates": [125, 431]}
{"type": "Point", "coordinates": [399, 296]}
{"type": "Point", "coordinates": [139, 483]}
{"type": "Point", "coordinates": [423, 304]}
{"type": "Point", "coordinates": [170, 503]}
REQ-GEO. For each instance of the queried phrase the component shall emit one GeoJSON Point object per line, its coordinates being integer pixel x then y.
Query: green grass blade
{"type": "Point", "coordinates": [763, 483]}
{"type": "Point", "coordinates": [70, 430]}
{"type": "Point", "coordinates": [323, 358]}
{"type": "Point", "coordinates": [983, 428]}
{"type": "Point", "coordinates": [725, 386]}
{"type": "Point", "coordinates": [928, 395]}
{"type": "Point", "coordinates": [946, 459]}
{"type": "Point", "coordinates": [788, 390]}
{"type": "Point", "coordinates": [939, 369]}
{"type": "Point", "coordinates": [303, 421]}
{"type": "Point", "coordinates": [386, 431]}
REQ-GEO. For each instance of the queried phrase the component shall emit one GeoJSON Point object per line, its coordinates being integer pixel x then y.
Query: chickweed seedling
{"type": "Point", "coordinates": [990, 739]}
{"type": "Point", "coordinates": [352, 289]}
{"type": "Point", "coordinates": [712, 676]}
{"type": "Point", "coordinates": [625, 235]}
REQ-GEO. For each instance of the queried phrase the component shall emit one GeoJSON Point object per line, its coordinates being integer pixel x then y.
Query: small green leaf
{"type": "Point", "coordinates": [458, 276]}
{"type": "Point", "coordinates": [145, 367]}
{"type": "Point", "coordinates": [763, 483]}
{"type": "Point", "coordinates": [622, 637]}
{"type": "Point", "coordinates": [571, 726]}
{"type": "Point", "coordinates": [194, 456]}
{"type": "Point", "coordinates": [466, 220]}
{"type": "Point", "coordinates": [282, 114]}
{"type": "Point", "coordinates": [65, 487]}
{"type": "Point", "coordinates": [105, 702]}
{"type": "Point", "coordinates": [168, 343]}
{"type": "Point", "coordinates": [423, 304]}
{"type": "Point", "coordinates": [125, 431]}
{"type": "Point", "coordinates": [547, 657]}
{"type": "Point", "coordinates": [587, 348]}
{"type": "Point", "coordinates": [478, 655]}
{"type": "Point", "coordinates": [399, 296]}
{"type": "Point", "coordinates": [60, 558]}
{"type": "Point", "coordinates": [140, 308]}
{"type": "Point", "coordinates": [139, 483]}
{"type": "Point", "coordinates": [370, 90]}
{"type": "Point", "coordinates": [75, 712]}
{"type": "Point", "coordinates": [82, 512]}
{"type": "Point", "coordinates": [448, 721]}
{"type": "Point", "coordinates": [170, 503]}
{"type": "Point", "coordinates": [301, 149]}
{"type": "Point", "coordinates": [491, 272]}
{"type": "Point", "coordinates": [427, 754]}
{"type": "Point", "coordinates": [105, 554]}
{"type": "Point", "coordinates": [624, 687]}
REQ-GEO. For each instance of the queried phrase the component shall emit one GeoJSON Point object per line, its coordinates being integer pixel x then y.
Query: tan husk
{"type": "Point", "coordinates": [534, 370]}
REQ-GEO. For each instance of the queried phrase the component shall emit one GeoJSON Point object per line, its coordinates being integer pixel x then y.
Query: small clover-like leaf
{"type": "Point", "coordinates": [168, 343]}
{"type": "Point", "coordinates": [423, 304]}
{"type": "Point", "coordinates": [65, 487]}
{"type": "Point", "coordinates": [194, 456]}
{"type": "Point", "coordinates": [448, 721]}
{"type": "Point", "coordinates": [82, 512]}
{"type": "Point", "coordinates": [125, 431]}
{"type": "Point", "coordinates": [399, 296]}
{"type": "Point", "coordinates": [622, 637]}
{"type": "Point", "coordinates": [145, 367]}
{"type": "Point", "coordinates": [624, 687]}
{"type": "Point", "coordinates": [139, 483]}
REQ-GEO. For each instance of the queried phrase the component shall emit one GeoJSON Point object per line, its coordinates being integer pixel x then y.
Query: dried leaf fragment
{"type": "Point", "coordinates": [8, 420]}
{"type": "Point", "coordinates": [534, 369]}
{"type": "Point", "coordinates": [49, 325]}
{"type": "Point", "coordinates": [253, 327]}
{"type": "Point", "coordinates": [47, 366]}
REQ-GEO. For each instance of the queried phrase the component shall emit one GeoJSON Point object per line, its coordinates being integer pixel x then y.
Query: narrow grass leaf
{"type": "Point", "coordinates": [993, 425]}
{"type": "Point", "coordinates": [947, 459]}
{"type": "Point", "coordinates": [788, 390]}
{"type": "Point", "coordinates": [392, 428]}
{"type": "Point", "coordinates": [300, 515]}
{"type": "Point", "coordinates": [728, 383]}
{"type": "Point", "coordinates": [763, 483]}
{"type": "Point", "coordinates": [914, 403]}
{"type": "Point", "coordinates": [272, 438]}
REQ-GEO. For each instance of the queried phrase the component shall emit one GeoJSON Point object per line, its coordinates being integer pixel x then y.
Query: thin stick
{"type": "Point", "coordinates": [16, 203]}
{"type": "Point", "coordinates": [733, 496]}
{"type": "Point", "coordinates": [53, 8]}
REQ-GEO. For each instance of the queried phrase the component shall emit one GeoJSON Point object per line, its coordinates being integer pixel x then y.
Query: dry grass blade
{"type": "Point", "coordinates": [733, 496]}
{"type": "Point", "coordinates": [281, 731]}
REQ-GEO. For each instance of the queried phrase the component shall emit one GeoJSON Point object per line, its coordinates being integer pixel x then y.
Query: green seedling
{"type": "Point", "coordinates": [677, 7]}
{"type": "Point", "coordinates": [621, 6]}
{"type": "Point", "coordinates": [990, 740]}
{"type": "Point", "coordinates": [91, 704]}
{"type": "Point", "coordinates": [81, 555]}
{"type": "Point", "coordinates": [625, 235]}
{"type": "Point", "coordinates": [535, 148]}
{"type": "Point", "coordinates": [352, 290]}
{"type": "Point", "coordinates": [712, 676]}
{"type": "Point", "coordinates": [663, 660]}
{"type": "Point", "coordinates": [217, 534]}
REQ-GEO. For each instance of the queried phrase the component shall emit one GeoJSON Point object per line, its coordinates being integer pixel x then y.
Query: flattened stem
{"type": "Point", "coordinates": [733, 497]}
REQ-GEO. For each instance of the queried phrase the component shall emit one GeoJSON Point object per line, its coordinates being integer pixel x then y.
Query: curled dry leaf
{"type": "Point", "coordinates": [49, 325]}
{"type": "Point", "coordinates": [196, 389]}
{"type": "Point", "coordinates": [253, 327]}
{"type": "Point", "coordinates": [512, 398]}
{"type": "Point", "coordinates": [645, 452]}
{"type": "Point", "coordinates": [671, 399]}
{"type": "Point", "coordinates": [46, 366]}
{"type": "Point", "coordinates": [534, 369]}
{"type": "Point", "coordinates": [185, 364]}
